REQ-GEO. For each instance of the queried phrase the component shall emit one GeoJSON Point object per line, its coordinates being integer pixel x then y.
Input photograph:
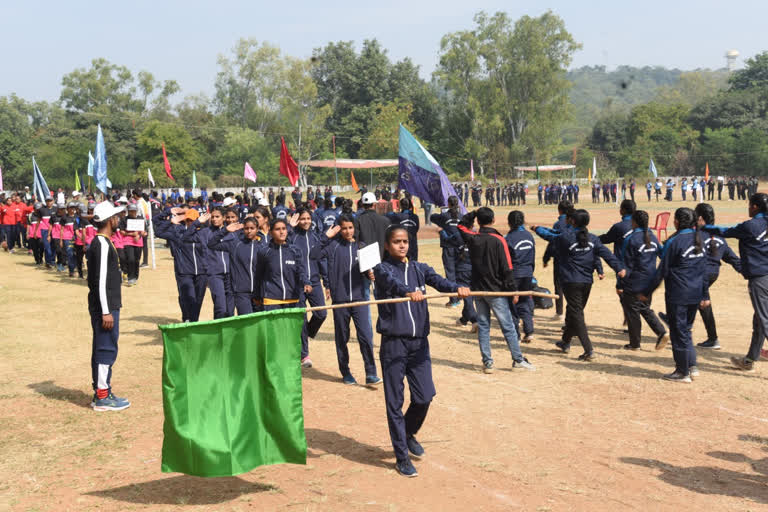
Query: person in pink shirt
{"type": "Point", "coordinates": [54, 236]}
{"type": "Point", "coordinates": [68, 227]}
{"type": "Point", "coordinates": [134, 243]}
{"type": "Point", "coordinates": [33, 235]}
{"type": "Point", "coordinates": [117, 241]}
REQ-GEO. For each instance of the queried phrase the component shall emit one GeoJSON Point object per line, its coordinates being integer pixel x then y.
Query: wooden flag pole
{"type": "Point", "coordinates": [433, 296]}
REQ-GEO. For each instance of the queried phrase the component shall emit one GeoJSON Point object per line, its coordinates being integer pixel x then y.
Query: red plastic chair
{"type": "Point", "coordinates": [661, 225]}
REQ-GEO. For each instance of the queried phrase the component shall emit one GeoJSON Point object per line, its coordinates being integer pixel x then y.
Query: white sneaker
{"type": "Point", "coordinates": [523, 364]}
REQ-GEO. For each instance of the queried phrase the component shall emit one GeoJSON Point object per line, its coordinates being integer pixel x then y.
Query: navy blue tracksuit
{"type": "Point", "coordinates": [451, 242]}
{"type": "Point", "coordinates": [188, 265]}
{"type": "Point", "coordinates": [522, 249]}
{"type": "Point", "coordinates": [304, 241]}
{"type": "Point", "coordinates": [244, 266]}
{"type": "Point", "coordinates": [464, 278]}
{"type": "Point", "coordinates": [616, 236]}
{"type": "Point", "coordinates": [716, 250]}
{"type": "Point", "coordinates": [404, 351]}
{"type": "Point", "coordinates": [347, 286]}
{"type": "Point", "coordinates": [640, 262]}
{"type": "Point", "coordinates": [683, 271]}
{"type": "Point", "coordinates": [217, 268]}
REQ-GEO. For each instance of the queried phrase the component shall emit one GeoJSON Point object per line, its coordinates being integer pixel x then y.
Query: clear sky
{"type": "Point", "coordinates": [181, 39]}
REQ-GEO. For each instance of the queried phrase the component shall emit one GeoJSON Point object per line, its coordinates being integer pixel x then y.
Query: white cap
{"type": "Point", "coordinates": [258, 194]}
{"type": "Point", "coordinates": [263, 202]}
{"type": "Point", "coordinates": [228, 201]}
{"type": "Point", "coordinates": [75, 193]}
{"type": "Point", "coordinates": [123, 199]}
{"type": "Point", "coordinates": [105, 210]}
{"type": "Point", "coordinates": [369, 198]}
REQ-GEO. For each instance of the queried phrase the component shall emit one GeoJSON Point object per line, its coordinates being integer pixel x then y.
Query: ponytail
{"type": "Point", "coordinates": [641, 219]}
{"type": "Point", "coordinates": [515, 219]}
{"type": "Point", "coordinates": [686, 219]}
{"type": "Point", "coordinates": [760, 201]}
{"type": "Point", "coordinates": [581, 221]}
{"type": "Point", "coordinates": [707, 214]}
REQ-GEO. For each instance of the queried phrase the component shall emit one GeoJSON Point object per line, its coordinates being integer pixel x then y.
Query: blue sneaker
{"type": "Point", "coordinates": [110, 403]}
{"type": "Point", "coordinates": [405, 468]}
{"type": "Point", "coordinates": [414, 446]}
{"type": "Point", "coordinates": [372, 380]}
{"type": "Point", "coordinates": [349, 380]}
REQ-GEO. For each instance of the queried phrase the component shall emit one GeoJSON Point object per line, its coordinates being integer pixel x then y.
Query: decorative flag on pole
{"type": "Point", "coordinates": [150, 179]}
{"type": "Point", "coordinates": [420, 174]}
{"type": "Point", "coordinates": [589, 175]}
{"type": "Point", "coordinates": [91, 164]}
{"type": "Point", "coordinates": [652, 169]}
{"type": "Point", "coordinates": [706, 172]}
{"type": "Point", "coordinates": [288, 167]}
{"type": "Point", "coordinates": [594, 168]}
{"type": "Point", "coordinates": [167, 165]}
{"type": "Point", "coordinates": [78, 187]}
{"type": "Point", "coordinates": [40, 188]}
{"type": "Point", "coordinates": [249, 173]}
{"type": "Point", "coordinates": [353, 181]}
{"type": "Point", "coordinates": [194, 178]}
{"type": "Point", "coordinates": [472, 170]}
{"type": "Point", "coordinates": [232, 394]}
{"type": "Point", "coordinates": [100, 163]}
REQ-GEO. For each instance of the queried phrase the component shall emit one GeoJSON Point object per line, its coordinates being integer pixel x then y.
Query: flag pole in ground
{"type": "Point", "coordinates": [152, 238]}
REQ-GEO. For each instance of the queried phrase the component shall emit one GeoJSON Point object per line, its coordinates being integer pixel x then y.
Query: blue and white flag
{"type": "Point", "coordinates": [652, 169]}
{"type": "Point", "coordinates": [39, 187]}
{"type": "Point", "coordinates": [90, 164]}
{"type": "Point", "coordinates": [100, 163]}
{"type": "Point", "coordinates": [420, 174]}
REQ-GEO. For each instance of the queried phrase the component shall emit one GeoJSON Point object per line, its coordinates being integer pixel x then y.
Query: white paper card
{"type": "Point", "coordinates": [369, 256]}
{"type": "Point", "coordinates": [134, 225]}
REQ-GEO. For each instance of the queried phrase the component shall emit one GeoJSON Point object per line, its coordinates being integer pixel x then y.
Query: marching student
{"type": "Point", "coordinates": [284, 278]}
{"type": "Point", "coordinates": [104, 303]}
{"type": "Point", "coordinates": [133, 243]}
{"type": "Point", "coordinates": [522, 249]}
{"type": "Point", "coordinates": [346, 280]}
{"type": "Point", "coordinates": [638, 254]}
{"type": "Point", "coordinates": [616, 236]}
{"type": "Point", "coordinates": [54, 236]}
{"type": "Point", "coordinates": [410, 221]}
{"type": "Point", "coordinates": [716, 249]}
{"type": "Point", "coordinates": [68, 226]}
{"type": "Point", "coordinates": [80, 243]}
{"type": "Point", "coordinates": [491, 272]}
{"type": "Point", "coordinates": [682, 269]}
{"type": "Point", "coordinates": [263, 218]}
{"type": "Point", "coordinates": [564, 208]}
{"type": "Point", "coordinates": [216, 262]}
{"type": "Point", "coordinates": [450, 240]}
{"type": "Point", "coordinates": [404, 350]}
{"type": "Point", "coordinates": [46, 226]}
{"type": "Point", "coordinates": [753, 249]}
{"type": "Point", "coordinates": [464, 278]}
{"type": "Point", "coordinates": [576, 250]}
{"type": "Point", "coordinates": [242, 242]}
{"type": "Point", "coordinates": [33, 235]}
{"type": "Point", "coordinates": [305, 238]}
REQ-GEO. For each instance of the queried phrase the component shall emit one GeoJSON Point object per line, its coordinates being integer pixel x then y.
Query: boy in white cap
{"type": "Point", "coordinates": [104, 303]}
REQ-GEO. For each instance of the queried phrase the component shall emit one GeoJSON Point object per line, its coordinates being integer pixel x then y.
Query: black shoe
{"type": "Point", "coordinates": [713, 344]}
{"type": "Point", "coordinates": [564, 348]}
{"type": "Point", "coordinates": [414, 447]}
{"type": "Point", "coordinates": [631, 347]}
{"type": "Point", "coordinates": [587, 357]}
{"type": "Point", "coordinates": [663, 318]}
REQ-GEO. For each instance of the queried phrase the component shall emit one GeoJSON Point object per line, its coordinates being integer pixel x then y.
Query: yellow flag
{"type": "Point", "coordinates": [77, 181]}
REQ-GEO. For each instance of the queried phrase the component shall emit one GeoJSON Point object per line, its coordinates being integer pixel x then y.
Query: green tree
{"type": "Point", "coordinates": [383, 138]}
{"type": "Point", "coordinates": [183, 153]}
{"type": "Point", "coordinates": [15, 142]}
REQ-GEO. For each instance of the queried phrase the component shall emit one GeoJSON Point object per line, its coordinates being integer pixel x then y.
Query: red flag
{"type": "Point", "coordinates": [288, 167]}
{"type": "Point", "coordinates": [706, 172]}
{"type": "Point", "coordinates": [354, 181]}
{"type": "Point", "coordinates": [167, 164]}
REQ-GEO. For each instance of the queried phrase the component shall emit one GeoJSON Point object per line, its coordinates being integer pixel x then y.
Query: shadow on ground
{"type": "Point", "coordinates": [346, 448]}
{"type": "Point", "coordinates": [55, 392]}
{"type": "Point", "coordinates": [184, 490]}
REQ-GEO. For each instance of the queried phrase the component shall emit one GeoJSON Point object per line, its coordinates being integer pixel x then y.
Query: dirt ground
{"type": "Point", "coordinates": [607, 435]}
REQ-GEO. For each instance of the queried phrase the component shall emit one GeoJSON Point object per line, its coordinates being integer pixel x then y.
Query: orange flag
{"type": "Point", "coordinates": [706, 172]}
{"type": "Point", "coordinates": [354, 182]}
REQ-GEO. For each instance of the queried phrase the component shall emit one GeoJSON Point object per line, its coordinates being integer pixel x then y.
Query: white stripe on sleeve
{"type": "Point", "coordinates": [103, 255]}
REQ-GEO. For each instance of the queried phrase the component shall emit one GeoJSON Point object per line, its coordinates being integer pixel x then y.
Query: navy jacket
{"type": "Point", "coordinates": [283, 272]}
{"type": "Point", "coordinates": [682, 270]}
{"type": "Point", "coordinates": [639, 260]}
{"type": "Point", "coordinates": [188, 258]}
{"type": "Point", "coordinates": [244, 260]}
{"type": "Point", "coordinates": [305, 241]}
{"type": "Point", "coordinates": [721, 252]}
{"type": "Point", "coordinates": [449, 236]}
{"type": "Point", "coordinates": [216, 262]}
{"type": "Point", "coordinates": [576, 264]}
{"type": "Point", "coordinates": [617, 234]}
{"type": "Point", "coordinates": [395, 279]}
{"type": "Point", "coordinates": [280, 212]}
{"type": "Point", "coordinates": [753, 244]}
{"type": "Point", "coordinates": [522, 248]}
{"type": "Point", "coordinates": [343, 268]}
{"type": "Point", "coordinates": [410, 221]}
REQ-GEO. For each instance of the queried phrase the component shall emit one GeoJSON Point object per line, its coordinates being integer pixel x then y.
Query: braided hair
{"type": "Point", "coordinates": [640, 217]}
{"type": "Point", "coordinates": [515, 219]}
{"type": "Point", "coordinates": [686, 219]}
{"type": "Point", "coordinates": [580, 219]}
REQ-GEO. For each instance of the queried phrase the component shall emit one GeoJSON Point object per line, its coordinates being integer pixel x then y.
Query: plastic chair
{"type": "Point", "coordinates": [661, 225]}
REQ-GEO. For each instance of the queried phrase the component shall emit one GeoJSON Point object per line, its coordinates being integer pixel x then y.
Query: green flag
{"type": "Point", "coordinates": [232, 394]}
{"type": "Point", "coordinates": [77, 181]}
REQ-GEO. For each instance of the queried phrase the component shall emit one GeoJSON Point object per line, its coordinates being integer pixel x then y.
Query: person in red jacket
{"type": "Point", "coordinates": [7, 224]}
